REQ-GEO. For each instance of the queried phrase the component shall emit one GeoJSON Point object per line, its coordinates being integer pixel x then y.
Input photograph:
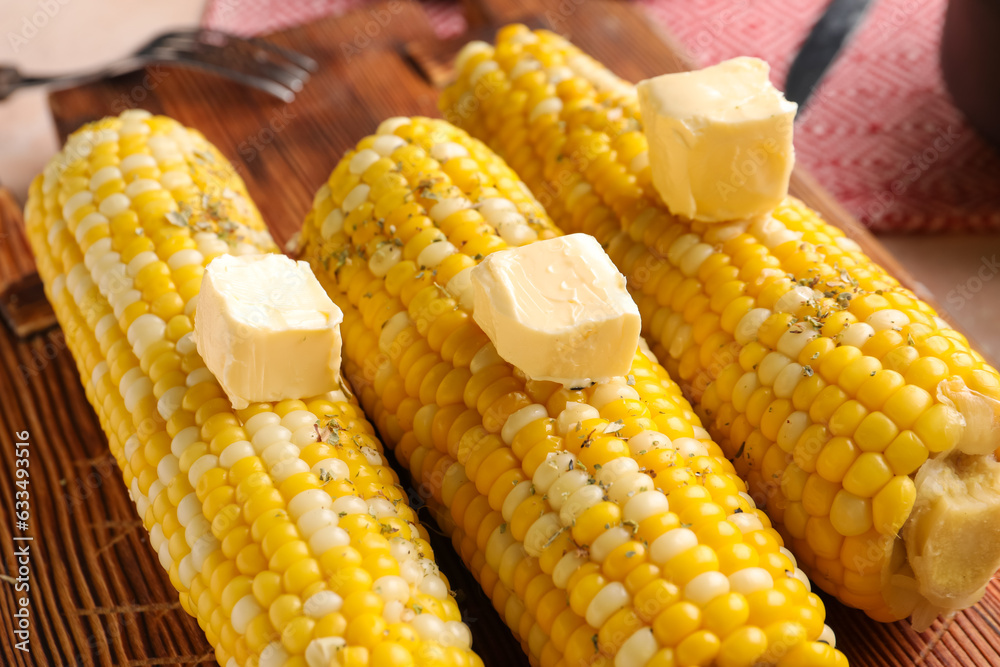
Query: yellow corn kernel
{"type": "Point", "coordinates": [487, 443]}
{"type": "Point", "coordinates": [870, 388]}
{"type": "Point", "coordinates": [867, 475]}
{"type": "Point", "coordinates": [249, 541]}
{"type": "Point", "coordinates": [906, 453]}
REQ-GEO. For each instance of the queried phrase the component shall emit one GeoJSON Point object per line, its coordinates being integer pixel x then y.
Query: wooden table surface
{"type": "Point", "coordinates": [97, 593]}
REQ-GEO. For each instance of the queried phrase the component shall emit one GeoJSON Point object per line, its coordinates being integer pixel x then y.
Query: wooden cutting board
{"type": "Point", "coordinates": [98, 596]}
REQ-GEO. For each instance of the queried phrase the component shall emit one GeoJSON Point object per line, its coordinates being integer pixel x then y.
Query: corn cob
{"type": "Point", "coordinates": [862, 421]}
{"type": "Point", "coordinates": [604, 524]}
{"type": "Point", "coordinates": [281, 526]}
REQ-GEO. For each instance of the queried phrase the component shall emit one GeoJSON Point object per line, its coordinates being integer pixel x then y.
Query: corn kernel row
{"type": "Point", "coordinates": [827, 383]}
{"type": "Point", "coordinates": [628, 532]}
{"type": "Point", "coordinates": [281, 526]}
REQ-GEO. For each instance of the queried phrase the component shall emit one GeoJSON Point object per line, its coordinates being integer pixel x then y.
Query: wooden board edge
{"type": "Point", "coordinates": [23, 305]}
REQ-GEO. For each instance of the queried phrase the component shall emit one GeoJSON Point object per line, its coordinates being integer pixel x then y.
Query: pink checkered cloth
{"type": "Point", "coordinates": [880, 133]}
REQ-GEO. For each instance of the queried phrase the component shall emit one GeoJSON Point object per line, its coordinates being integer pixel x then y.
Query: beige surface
{"type": "Point", "coordinates": [963, 273]}
{"type": "Point", "coordinates": [46, 36]}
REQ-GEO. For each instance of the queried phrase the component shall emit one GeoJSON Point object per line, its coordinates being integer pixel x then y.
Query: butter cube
{"type": "Point", "coordinates": [720, 140]}
{"type": "Point", "coordinates": [558, 310]}
{"type": "Point", "coordinates": [266, 329]}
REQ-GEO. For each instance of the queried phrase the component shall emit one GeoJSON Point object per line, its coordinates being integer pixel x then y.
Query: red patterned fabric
{"type": "Point", "coordinates": [881, 133]}
{"type": "Point", "coordinates": [254, 17]}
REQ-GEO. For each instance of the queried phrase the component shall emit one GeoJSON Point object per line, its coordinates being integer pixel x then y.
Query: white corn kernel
{"type": "Point", "coordinates": [446, 207]}
{"type": "Point", "coordinates": [750, 580]}
{"type": "Point", "coordinates": [608, 541]}
{"type": "Point", "coordinates": [332, 223]}
{"type": "Point", "coordinates": [356, 197]}
{"type": "Point", "coordinates": [446, 150]}
{"type": "Point", "coordinates": [567, 484]}
{"type": "Point", "coordinates": [611, 598]}
{"type": "Point", "coordinates": [361, 160]}
{"type": "Point", "coordinates": [671, 543]}
{"type": "Point", "coordinates": [645, 504]}
{"type": "Point", "coordinates": [705, 587]}
{"type": "Point", "coordinates": [638, 649]}
{"type": "Point", "coordinates": [520, 419]}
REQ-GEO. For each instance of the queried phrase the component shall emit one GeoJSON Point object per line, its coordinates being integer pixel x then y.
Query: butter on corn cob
{"type": "Point", "coordinates": [283, 529]}
{"type": "Point", "coordinates": [864, 422]}
{"type": "Point", "coordinates": [604, 524]}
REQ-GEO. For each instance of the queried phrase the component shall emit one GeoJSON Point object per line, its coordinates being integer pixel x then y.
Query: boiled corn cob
{"type": "Point", "coordinates": [604, 524]}
{"type": "Point", "coordinates": [863, 421]}
{"type": "Point", "coordinates": [281, 526]}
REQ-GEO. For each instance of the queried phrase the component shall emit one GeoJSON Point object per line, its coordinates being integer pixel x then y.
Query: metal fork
{"type": "Point", "coordinates": [247, 61]}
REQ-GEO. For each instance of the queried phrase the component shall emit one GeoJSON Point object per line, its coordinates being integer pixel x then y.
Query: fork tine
{"type": "Point", "coordinates": [234, 52]}
{"type": "Point", "coordinates": [259, 49]}
{"type": "Point", "coordinates": [254, 80]}
{"type": "Point", "coordinates": [254, 62]}
{"type": "Point", "coordinates": [300, 59]}
{"type": "Point", "coordinates": [226, 57]}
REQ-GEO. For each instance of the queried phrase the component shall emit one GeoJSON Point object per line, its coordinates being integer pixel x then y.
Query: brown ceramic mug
{"type": "Point", "coordinates": [970, 62]}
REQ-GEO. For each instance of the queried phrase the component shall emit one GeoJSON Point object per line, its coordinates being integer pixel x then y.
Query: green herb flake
{"type": "Point", "coordinates": [178, 219]}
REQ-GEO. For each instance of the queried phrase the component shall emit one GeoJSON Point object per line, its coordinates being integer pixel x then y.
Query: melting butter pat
{"type": "Point", "coordinates": [558, 310]}
{"type": "Point", "coordinates": [720, 140]}
{"type": "Point", "coordinates": [266, 329]}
